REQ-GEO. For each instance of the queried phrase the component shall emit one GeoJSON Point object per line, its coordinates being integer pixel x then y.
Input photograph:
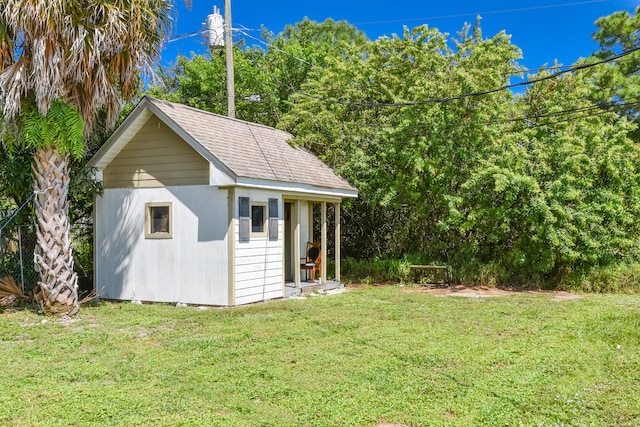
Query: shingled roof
{"type": "Point", "coordinates": [246, 150]}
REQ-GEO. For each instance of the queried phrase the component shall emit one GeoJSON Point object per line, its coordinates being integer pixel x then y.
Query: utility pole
{"type": "Point", "coordinates": [231, 101]}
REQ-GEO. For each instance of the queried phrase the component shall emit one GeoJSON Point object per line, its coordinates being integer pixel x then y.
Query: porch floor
{"type": "Point", "coordinates": [290, 288]}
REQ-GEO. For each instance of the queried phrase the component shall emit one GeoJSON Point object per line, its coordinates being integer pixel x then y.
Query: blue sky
{"type": "Point", "coordinates": [545, 30]}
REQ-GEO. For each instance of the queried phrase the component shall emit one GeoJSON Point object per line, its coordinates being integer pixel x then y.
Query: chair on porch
{"type": "Point", "coordinates": [313, 260]}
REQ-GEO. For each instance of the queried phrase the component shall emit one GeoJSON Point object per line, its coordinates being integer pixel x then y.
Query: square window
{"type": "Point", "coordinates": [158, 218]}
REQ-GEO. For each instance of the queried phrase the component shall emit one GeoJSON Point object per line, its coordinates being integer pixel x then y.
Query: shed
{"type": "Point", "coordinates": [199, 208]}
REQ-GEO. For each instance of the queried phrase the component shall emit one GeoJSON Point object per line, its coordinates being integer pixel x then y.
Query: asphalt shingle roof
{"type": "Point", "coordinates": [251, 150]}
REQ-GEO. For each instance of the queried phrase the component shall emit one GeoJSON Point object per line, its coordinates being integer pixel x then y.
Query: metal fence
{"type": "Point", "coordinates": [17, 246]}
{"type": "Point", "coordinates": [18, 243]}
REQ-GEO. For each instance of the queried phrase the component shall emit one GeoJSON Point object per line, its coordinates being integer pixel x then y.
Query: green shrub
{"type": "Point", "coordinates": [624, 278]}
{"type": "Point", "coordinates": [379, 269]}
{"type": "Point", "coordinates": [619, 279]}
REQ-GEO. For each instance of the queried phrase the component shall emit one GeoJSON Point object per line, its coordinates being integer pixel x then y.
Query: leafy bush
{"type": "Point", "coordinates": [379, 269]}
{"type": "Point", "coordinates": [619, 279]}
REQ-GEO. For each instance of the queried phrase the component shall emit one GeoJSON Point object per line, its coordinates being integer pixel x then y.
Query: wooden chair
{"type": "Point", "coordinates": [313, 260]}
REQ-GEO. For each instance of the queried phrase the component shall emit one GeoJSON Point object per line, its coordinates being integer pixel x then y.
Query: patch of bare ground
{"type": "Point", "coordinates": [488, 291]}
{"type": "Point", "coordinates": [474, 291]}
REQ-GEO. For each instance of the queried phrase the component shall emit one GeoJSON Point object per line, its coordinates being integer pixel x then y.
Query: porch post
{"type": "Point", "coordinates": [296, 244]}
{"type": "Point", "coordinates": [323, 243]}
{"type": "Point", "coordinates": [336, 209]}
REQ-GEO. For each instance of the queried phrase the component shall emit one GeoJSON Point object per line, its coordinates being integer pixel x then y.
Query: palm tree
{"type": "Point", "coordinates": [61, 62]}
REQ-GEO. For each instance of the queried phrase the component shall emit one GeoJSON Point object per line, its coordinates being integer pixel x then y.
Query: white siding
{"type": "Point", "coordinates": [217, 177]}
{"type": "Point", "coordinates": [259, 263]}
{"type": "Point", "coordinates": [191, 267]}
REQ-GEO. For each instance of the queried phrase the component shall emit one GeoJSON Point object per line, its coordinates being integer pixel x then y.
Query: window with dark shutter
{"type": "Point", "coordinates": [244, 215]}
{"type": "Point", "coordinates": [273, 219]}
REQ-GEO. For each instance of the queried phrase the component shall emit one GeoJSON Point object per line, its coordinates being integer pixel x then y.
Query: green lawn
{"type": "Point", "coordinates": [369, 356]}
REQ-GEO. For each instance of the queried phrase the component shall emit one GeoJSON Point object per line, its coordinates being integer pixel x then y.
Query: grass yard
{"type": "Point", "coordinates": [372, 356]}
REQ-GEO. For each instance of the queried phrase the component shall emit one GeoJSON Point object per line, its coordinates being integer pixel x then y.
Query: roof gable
{"type": "Point", "coordinates": [238, 148]}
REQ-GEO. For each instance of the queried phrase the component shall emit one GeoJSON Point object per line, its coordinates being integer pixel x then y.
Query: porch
{"type": "Point", "coordinates": [290, 288]}
{"type": "Point", "coordinates": [300, 216]}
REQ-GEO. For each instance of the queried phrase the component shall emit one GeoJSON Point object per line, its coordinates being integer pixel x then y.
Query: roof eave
{"type": "Point", "coordinates": [294, 188]}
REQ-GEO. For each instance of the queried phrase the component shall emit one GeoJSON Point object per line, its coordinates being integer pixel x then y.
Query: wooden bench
{"type": "Point", "coordinates": [440, 271]}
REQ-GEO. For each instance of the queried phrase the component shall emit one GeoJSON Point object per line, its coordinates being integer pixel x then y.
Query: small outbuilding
{"type": "Point", "coordinates": [200, 208]}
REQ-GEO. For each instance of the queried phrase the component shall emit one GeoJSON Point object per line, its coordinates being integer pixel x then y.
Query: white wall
{"type": "Point", "coordinates": [191, 267]}
{"type": "Point", "coordinates": [259, 265]}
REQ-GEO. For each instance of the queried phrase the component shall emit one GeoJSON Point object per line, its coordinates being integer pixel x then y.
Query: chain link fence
{"type": "Point", "coordinates": [17, 247]}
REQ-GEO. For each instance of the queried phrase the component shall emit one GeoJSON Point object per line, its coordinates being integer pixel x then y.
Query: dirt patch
{"type": "Point", "coordinates": [475, 291]}
{"type": "Point", "coordinates": [487, 291]}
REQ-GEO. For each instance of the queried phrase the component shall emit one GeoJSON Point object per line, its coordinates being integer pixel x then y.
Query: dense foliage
{"type": "Point", "coordinates": [533, 188]}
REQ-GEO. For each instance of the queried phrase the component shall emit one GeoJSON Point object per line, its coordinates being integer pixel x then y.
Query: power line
{"type": "Point", "coordinates": [607, 108]}
{"type": "Point", "coordinates": [177, 37]}
{"type": "Point", "coordinates": [271, 46]}
{"type": "Point", "coordinates": [584, 116]}
{"type": "Point", "coordinates": [493, 12]}
{"type": "Point", "coordinates": [242, 27]}
{"type": "Point", "coordinates": [554, 67]}
{"type": "Point", "coordinates": [467, 95]}
{"type": "Point", "coordinates": [610, 107]}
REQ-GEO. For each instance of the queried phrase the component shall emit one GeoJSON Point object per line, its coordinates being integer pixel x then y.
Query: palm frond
{"type": "Point", "coordinates": [88, 54]}
{"type": "Point", "coordinates": [10, 292]}
{"type": "Point", "coordinates": [61, 127]}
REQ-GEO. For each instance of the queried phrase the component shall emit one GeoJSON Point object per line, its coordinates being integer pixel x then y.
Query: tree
{"type": "Point", "coordinates": [560, 198]}
{"type": "Point", "coordinates": [370, 118]}
{"type": "Point", "coordinates": [292, 54]}
{"type": "Point", "coordinates": [539, 187]}
{"type": "Point", "coordinates": [60, 64]}
{"type": "Point", "coordinates": [265, 78]}
{"type": "Point", "coordinates": [200, 82]}
{"type": "Point", "coordinates": [619, 81]}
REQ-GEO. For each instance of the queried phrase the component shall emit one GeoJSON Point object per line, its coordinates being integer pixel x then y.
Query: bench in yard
{"type": "Point", "coordinates": [438, 274]}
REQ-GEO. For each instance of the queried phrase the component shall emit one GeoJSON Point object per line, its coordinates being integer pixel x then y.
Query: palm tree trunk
{"type": "Point", "coordinates": [58, 285]}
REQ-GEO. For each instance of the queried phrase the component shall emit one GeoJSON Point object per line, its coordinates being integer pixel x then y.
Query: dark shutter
{"type": "Point", "coordinates": [244, 215]}
{"type": "Point", "coordinates": [273, 219]}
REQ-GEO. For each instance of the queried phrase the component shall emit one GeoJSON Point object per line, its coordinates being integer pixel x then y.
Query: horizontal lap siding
{"type": "Point", "coordinates": [155, 157]}
{"type": "Point", "coordinates": [259, 263]}
{"type": "Point", "coordinates": [259, 260]}
{"type": "Point", "coordinates": [259, 274]}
